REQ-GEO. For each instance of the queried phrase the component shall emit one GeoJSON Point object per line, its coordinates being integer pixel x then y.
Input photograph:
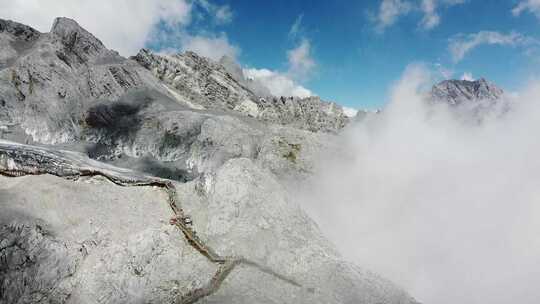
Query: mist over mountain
{"type": "Point", "coordinates": [177, 178]}
{"type": "Point", "coordinates": [443, 205]}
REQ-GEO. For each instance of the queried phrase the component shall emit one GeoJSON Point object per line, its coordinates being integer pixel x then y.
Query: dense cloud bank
{"type": "Point", "coordinates": [444, 206]}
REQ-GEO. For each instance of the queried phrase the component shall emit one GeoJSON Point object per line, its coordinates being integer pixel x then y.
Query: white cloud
{"type": "Point", "coordinates": [461, 44]}
{"type": "Point", "coordinates": [443, 71]}
{"type": "Point", "coordinates": [221, 13]}
{"type": "Point", "coordinates": [532, 6]}
{"type": "Point", "coordinates": [350, 112]}
{"type": "Point", "coordinates": [467, 76]}
{"type": "Point", "coordinates": [296, 28]}
{"type": "Point", "coordinates": [224, 14]}
{"type": "Point", "coordinates": [390, 11]}
{"type": "Point", "coordinates": [300, 66]}
{"type": "Point", "coordinates": [123, 25]}
{"type": "Point", "coordinates": [301, 63]}
{"type": "Point", "coordinates": [213, 47]}
{"type": "Point", "coordinates": [446, 209]}
{"type": "Point", "coordinates": [431, 19]}
{"type": "Point", "coordinates": [277, 83]}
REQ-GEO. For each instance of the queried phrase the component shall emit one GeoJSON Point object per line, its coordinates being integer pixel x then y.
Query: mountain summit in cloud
{"type": "Point", "coordinates": [457, 92]}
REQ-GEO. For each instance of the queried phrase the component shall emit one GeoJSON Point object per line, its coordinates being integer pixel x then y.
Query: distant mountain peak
{"type": "Point", "coordinates": [76, 39]}
{"type": "Point", "coordinates": [456, 92]}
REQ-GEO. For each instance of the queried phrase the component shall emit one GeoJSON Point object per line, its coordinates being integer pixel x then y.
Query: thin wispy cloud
{"type": "Point", "coordinates": [462, 44]}
{"type": "Point", "coordinates": [296, 28]}
{"type": "Point", "coordinates": [300, 66]}
{"type": "Point", "coordinates": [222, 14]}
{"type": "Point", "coordinates": [531, 6]}
{"type": "Point", "coordinates": [391, 10]}
{"type": "Point", "coordinates": [301, 62]}
{"type": "Point", "coordinates": [431, 19]}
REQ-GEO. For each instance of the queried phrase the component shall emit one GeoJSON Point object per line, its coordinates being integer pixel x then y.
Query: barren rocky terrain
{"type": "Point", "coordinates": [158, 179]}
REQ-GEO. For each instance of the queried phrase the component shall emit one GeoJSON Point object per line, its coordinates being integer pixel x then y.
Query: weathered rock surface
{"type": "Point", "coordinates": [204, 84]}
{"type": "Point", "coordinates": [66, 88]}
{"type": "Point", "coordinates": [49, 83]}
{"type": "Point", "coordinates": [75, 237]}
{"type": "Point", "coordinates": [75, 228]}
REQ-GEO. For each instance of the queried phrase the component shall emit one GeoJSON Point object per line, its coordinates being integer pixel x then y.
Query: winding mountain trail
{"type": "Point", "coordinates": [18, 160]}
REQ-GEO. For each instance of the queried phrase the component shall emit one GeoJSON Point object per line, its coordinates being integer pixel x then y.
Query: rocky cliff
{"type": "Point", "coordinates": [201, 215]}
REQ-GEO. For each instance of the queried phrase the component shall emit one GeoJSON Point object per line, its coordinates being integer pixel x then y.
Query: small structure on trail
{"type": "Point", "coordinates": [185, 220]}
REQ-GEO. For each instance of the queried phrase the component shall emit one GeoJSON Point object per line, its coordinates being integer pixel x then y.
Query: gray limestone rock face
{"type": "Point", "coordinates": [242, 210]}
{"type": "Point", "coordinates": [94, 233]}
{"type": "Point", "coordinates": [198, 80]}
{"type": "Point", "coordinates": [52, 78]}
{"type": "Point", "coordinates": [91, 242]}
{"type": "Point", "coordinates": [183, 114]}
{"type": "Point", "coordinates": [205, 84]}
{"type": "Point", "coordinates": [76, 228]}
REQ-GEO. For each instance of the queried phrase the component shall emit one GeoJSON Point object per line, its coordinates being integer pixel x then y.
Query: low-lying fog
{"type": "Point", "coordinates": [448, 210]}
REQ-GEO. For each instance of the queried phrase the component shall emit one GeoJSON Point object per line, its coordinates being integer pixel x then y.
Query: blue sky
{"type": "Point", "coordinates": [356, 60]}
{"type": "Point", "coordinates": [346, 51]}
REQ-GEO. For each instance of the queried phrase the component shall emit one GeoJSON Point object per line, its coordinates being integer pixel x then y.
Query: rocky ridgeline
{"type": "Point", "coordinates": [201, 215]}
{"type": "Point", "coordinates": [203, 83]}
{"type": "Point", "coordinates": [47, 80]}
{"type": "Point", "coordinates": [458, 92]}
{"type": "Point", "coordinates": [66, 88]}
{"type": "Point", "coordinates": [473, 101]}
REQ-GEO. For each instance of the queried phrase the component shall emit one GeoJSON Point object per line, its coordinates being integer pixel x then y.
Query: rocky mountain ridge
{"type": "Point", "coordinates": [457, 92]}
{"type": "Point", "coordinates": [66, 88]}
{"type": "Point", "coordinates": [202, 214]}
{"type": "Point", "coordinates": [204, 84]}
{"type": "Point", "coordinates": [472, 101]}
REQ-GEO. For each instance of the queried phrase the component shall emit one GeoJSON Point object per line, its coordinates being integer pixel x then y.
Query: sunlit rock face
{"type": "Point", "coordinates": [201, 215]}
{"type": "Point", "coordinates": [87, 232]}
{"type": "Point", "coordinates": [182, 113]}
{"type": "Point", "coordinates": [204, 84]}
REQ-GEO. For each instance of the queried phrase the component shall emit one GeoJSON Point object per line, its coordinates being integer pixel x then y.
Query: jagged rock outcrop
{"type": "Point", "coordinates": [47, 84]}
{"type": "Point", "coordinates": [204, 84]}
{"type": "Point", "coordinates": [65, 87]}
{"type": "Point", "coordinates": [199, 80]}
